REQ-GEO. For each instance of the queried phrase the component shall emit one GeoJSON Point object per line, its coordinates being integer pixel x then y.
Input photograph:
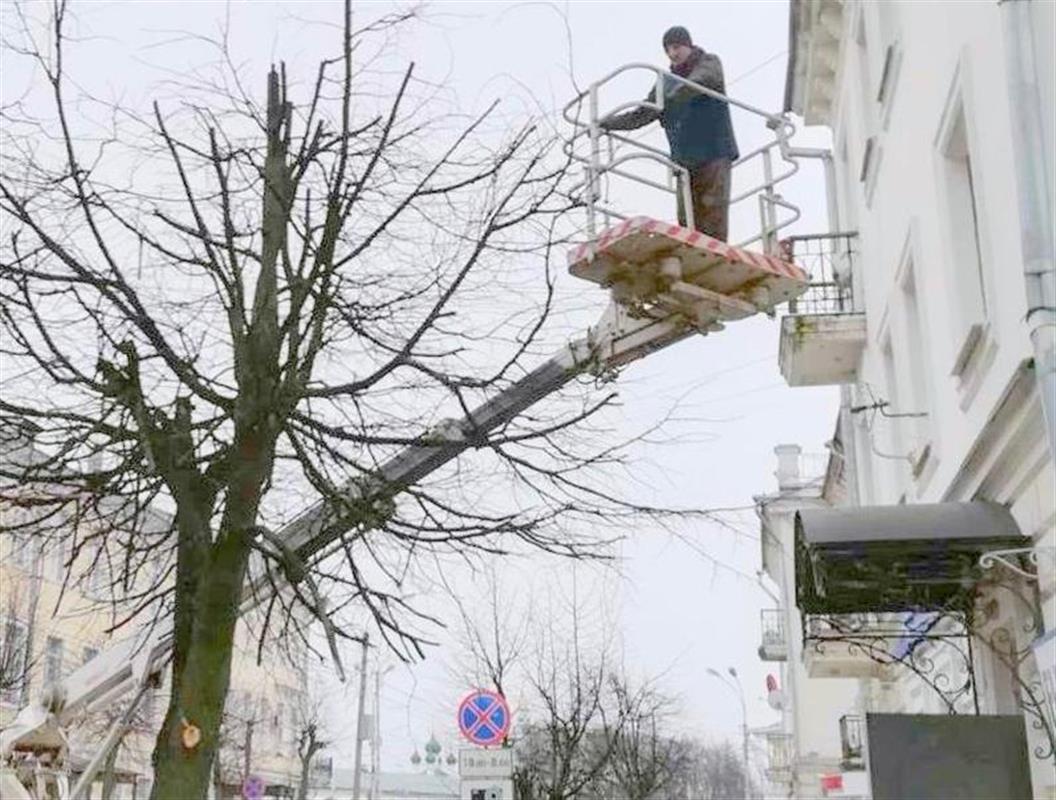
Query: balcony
{"type": "Point", "coordinates": [823, 335]}
{"type": "Point", "coordinates": [774, 645]}
{"type": "Point", "coordinates": [847, 646]}
{"type": "Point", "coordinates": [852, 730]}
{"type": "Point", "coordinates": [900, 558]}
{"type": "Point", "coordinates": [780, 757]}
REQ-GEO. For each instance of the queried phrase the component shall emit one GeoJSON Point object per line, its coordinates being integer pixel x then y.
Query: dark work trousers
{"type": "Point", "coordinates": [709, 185]}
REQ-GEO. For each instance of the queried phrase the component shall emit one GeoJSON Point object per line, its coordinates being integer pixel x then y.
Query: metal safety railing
{"type": "Point", "coordinates": [852, 738]}
{"type": "Point", "coordinates": [621, 151]}
{"type": "Point", "coordinates": [828, 259]}
{"type": "Point", "coordinates": [780, 755]}
{"type": "Point", "coordinates": [772, 621]}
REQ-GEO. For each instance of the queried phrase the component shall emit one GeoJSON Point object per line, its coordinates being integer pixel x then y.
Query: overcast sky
{"type": "Point", "coordinates": [679, 605]}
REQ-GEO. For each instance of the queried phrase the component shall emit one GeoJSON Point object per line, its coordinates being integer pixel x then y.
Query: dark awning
{"type": "Point", "coordinates": [896, 558]}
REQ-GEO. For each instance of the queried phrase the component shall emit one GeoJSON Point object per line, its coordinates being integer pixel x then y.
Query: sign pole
{"type": "Point", "coordinates": [359, 717]}
{"type": "Point", "coordinates": [485, 774]}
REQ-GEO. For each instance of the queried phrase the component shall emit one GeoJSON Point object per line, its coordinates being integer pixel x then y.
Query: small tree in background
{"type": "Point", "coordinates": [645, 759]}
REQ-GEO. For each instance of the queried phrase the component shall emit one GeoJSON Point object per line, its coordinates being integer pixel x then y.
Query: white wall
{"type": "Point", "coordinates": [901, 218]}
{"type": "Point", "coordinates": [816, 705]}
{"type": "Point", "coordinates": [984, 431]}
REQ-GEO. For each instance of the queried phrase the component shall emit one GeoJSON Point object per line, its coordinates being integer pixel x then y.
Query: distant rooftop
{"type": "Point", "coordinates": [408, 785]}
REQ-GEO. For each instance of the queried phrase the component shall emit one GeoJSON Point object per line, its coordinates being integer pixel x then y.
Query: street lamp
{"type": "Point", "coordinates": [736, 686]}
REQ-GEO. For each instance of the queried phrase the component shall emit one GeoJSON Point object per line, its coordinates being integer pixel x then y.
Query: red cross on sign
{"type": "Point", "coordinates": [484, 718]}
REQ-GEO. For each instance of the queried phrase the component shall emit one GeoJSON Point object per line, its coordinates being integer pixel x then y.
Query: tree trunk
{"type": "Point", "coordinates": [302, 788]}
{"type": "Point", "coordinates": [218, 779]}
{"type": "Point", "coordinates": [188, 741]}
{"type": "Point", "coordinates": [247, 752]}
{"type": "Point", "coordinates": [210, 574]}
{"type": "Point", "coordinates": [31, 620]}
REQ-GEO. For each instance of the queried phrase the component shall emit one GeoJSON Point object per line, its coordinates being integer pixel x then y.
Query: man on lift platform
{"type": "Point", "coordinates": [698, 130]}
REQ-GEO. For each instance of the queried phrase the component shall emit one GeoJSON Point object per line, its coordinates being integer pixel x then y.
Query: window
{"type": "Point", "coordinates": [891, 61]}
{"type": "Point", "coordinates": [57, 559]}
{"type": "Point", "coordinates": [848, 217]}
{"type": "Point", "coordinates": [285, 722]}
{"type": "Point", "coordinates": [866, 90]}
{"type": "Point", "coordinates": [918, 351]}
{"type": "Point", "coordinates": [866, 52]}
{"type": "Point", "coordinates": [53, 661]}
{"type": "Point", "coordinates": [12, 659]}
{"type": "Point", "coordinates": [148, 707]}
{"type": "Point", "coordinates": [891, 385]}
{"type": "Point", "coordinates": [238, 705]}
{"type": "Point", "coordinates": [269, 722]}
{"type": "Point", "coordinates": [897, 448]}
{"type": "Point", "coordinates": [863, 457]}
{"type": "Point", "coordinates": [959, 184]}
{"type": "Point", "coordinates": [887, 21]}
{"type": "Point", "coordinates": [23, 546]}
{"type": "Point", "coordinates": [99, 572]}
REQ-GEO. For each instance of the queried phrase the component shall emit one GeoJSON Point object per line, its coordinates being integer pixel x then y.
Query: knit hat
{"type": "Point", "coordinates": [677, 35]}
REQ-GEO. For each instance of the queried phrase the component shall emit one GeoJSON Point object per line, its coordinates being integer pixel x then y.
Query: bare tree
{"type": "Point", "coordinates": [560, 742]}
{"type": "Point", "coordinates": [14, 653]}
{"type": "Point", "coordinates": [494, 634]}
{"type": "Point", "coordinates": [309, 744]}
{"type": "Point", "coordinates": [136, 722]}
{"type": "Point", "coordinates": [611, 740]}
{"type": "Point", "coordinates": [564, 749]}
{"type": "Point", "coordinates": [244, 717]}
{"type": "Point", "coordinates": [645, 760]}
{"type": "Point", "coordinates": [224, 305]}
{"type": "Point", "coordinates": [312, 732]}
{"type": "Point", "coordinates": [585, 729]}
{"type": "Point", "coordinates": [24, 564]}
{"type": "Point", "coordinates": [710, 772]}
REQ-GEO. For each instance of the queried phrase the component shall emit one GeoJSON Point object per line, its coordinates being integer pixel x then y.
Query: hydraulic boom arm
{"type": "Point", "coordinates": [667, 283]}
{"type": "Point", "coordinates": [129, 665]}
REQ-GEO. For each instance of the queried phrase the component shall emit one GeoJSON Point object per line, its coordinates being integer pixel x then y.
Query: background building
{"type": "Point", "coordinates": [807, 744]}
{"type": "Point", "coordinates": [933, 313]}
{"type": "Point", "coordinates": [59, 610]}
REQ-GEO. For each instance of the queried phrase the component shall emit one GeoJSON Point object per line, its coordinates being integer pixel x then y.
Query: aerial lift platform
{"type": "Point", "coordinates": [666, 282]}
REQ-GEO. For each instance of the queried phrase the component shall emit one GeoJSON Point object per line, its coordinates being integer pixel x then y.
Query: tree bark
{"type": "Point", "coordinates": [308, 747]}
{"type": "Point", "coordinates": [205, 623]}
{"type": "Point", "coordinates": [247, 758]}
{"type": "Point", "coordinates": [302, 787]}
{"type": "Point", "coordinates": [188, 740]}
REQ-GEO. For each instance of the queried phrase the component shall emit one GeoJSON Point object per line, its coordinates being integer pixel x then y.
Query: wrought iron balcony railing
{"type": "Point", "coordinates": [851, 740]}
{"type": "Point", "coordinates": [773, 642]}
{"type": "Point", "coordinates": [829, 260]}
{"type": "Point", "coordinates": [780, 756]}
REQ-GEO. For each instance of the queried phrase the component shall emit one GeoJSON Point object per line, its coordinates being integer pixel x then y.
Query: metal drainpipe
{"type": "Point", "coordinates": [849, 444]}
{"type": "Point", "coordinates": [830, 178]}
{"type": "Point", "coordinates": [795, 651]}
{"type": "Point", "coordinates": [1035, 205]}
{"type": "Point", "coordinates": [849, 458]}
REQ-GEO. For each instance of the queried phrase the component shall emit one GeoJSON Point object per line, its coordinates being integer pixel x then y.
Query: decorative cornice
{"type": "Point", "coordinates": [815, 37]}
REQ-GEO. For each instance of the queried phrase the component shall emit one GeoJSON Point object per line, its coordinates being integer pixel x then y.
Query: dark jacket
{"type": "Point", "coordinates": [698, 127]}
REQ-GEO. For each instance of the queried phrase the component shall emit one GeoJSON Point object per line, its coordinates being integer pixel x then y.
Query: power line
{"type": "Point", "coordinates": [756, 68]}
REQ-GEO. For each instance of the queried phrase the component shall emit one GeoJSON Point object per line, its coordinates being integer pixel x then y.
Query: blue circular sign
{"type": "Point", "coordinates": [253, 788]}
{"type": "Point", "coordinates": [484, 717]}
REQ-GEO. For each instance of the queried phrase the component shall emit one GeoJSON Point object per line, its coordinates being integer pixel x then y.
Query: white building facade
{"type": "Point", "coordinates": [807, 746]}
{"type": "Point", "coordinates": [934, 315]}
